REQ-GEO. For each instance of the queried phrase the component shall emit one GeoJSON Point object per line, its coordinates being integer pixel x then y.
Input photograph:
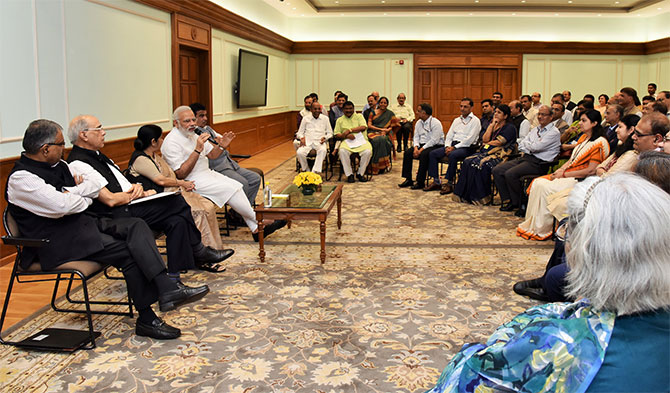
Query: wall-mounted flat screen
{"type": "Point", "coordinates": [252, 79]}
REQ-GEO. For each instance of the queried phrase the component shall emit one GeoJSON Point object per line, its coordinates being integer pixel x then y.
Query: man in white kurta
{"type": "Point", "coordinates": [188, 153]}
{"type": "Point", "coordinates": [313, 133]}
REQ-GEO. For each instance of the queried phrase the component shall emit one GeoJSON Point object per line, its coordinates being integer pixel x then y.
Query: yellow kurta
{"type": "Point", "coordinates": [346, 123]}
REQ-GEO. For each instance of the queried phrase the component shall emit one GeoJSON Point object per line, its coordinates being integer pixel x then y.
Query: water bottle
{"type": "Point", "coordinates": [267, 195]}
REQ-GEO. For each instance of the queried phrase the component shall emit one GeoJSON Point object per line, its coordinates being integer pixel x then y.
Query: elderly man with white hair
{"type": "Point", "coordinates": [188, 154]}
{"type": "Point", "coordinates": [615, 337]}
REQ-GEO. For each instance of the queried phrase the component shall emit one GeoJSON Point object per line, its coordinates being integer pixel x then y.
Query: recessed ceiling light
{"type": "Point", "coordinates": [514, 13]}
{"type": "Point", "coordinates": [659, 8]}
{"type": "Point", "coordinates": [471, 13]}
{"type": "Point", "coordinates": [337, 2]}
{"type": "Point", "coordinates": [616, 2]}
{"type": "Point", "coordinates": [427, 13]}
{"type": "Point", "coordinates": [600, 14]}
{"type": "Point", "coordinates": [384, 13]}
{"type": "Point", "coordinates": [555, 14]}
{"type": "Point", "coordinates": [570, 2]}
{"type": "Point", "coordinates": [383, 1]}
{"type": "Point", "coordinates": [430, 1]}
{"type": "Point", "coordinates": [523, 1]}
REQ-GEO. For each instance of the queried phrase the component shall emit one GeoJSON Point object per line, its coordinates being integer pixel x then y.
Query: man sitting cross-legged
{"type": "Point", "coordinates": [351, 128]}
{"type": "Point", "coordinates": [188, 154]}
{"type": "Point", "coordinates": [537, 149]}
{"type": "Point", "coordinates": [313, 133]}
{"type": "Point", "coordinates": [462, 134]}
{"type": "Point", "coordinates": [170, 214]}
{"type": "Point", "coordinates": [48, 202]}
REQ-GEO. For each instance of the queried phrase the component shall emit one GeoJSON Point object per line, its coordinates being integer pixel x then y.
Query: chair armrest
{"type": "Point", "coordinates": [240, 156]}
{"type": "Point", "coordinates": [24, 242]}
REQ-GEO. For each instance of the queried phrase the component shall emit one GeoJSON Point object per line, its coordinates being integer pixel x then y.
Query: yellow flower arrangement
{"type": "Point", "coordinates": [307, 178]}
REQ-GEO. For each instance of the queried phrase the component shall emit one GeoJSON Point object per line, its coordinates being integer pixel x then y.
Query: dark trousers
{"type": "Point", "coordinates": [172, 215]}
{"type": "Point", "coordinates": [130, 246]}
{"type": "Point", "coordinates": [403, 133]}
{"type": "Point", "coordinates": [408, 161]}
{"type": "Point", "coordinates": [454, 157]}
{"type": "Point", "coordinates": [507, 176]}
{"type": "Point", "coordinates": [553, 280]}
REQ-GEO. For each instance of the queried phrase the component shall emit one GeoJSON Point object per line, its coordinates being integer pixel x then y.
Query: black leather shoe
{"type": "Point", "coordinates": [417, 186]}
{"type": "Point", "coordinates": [361, 178]}
{"type": "Point", "coordinates": [210, 255]}
{"type": "Point", "coordinates": [531, 288]}
{"type": "Point", "coordinates": [521, 212]}
{"type": "Point", "coordinates": [507, 207]}
{"type": "Point", "coordinates": [157, 329]}
{"type": "Point", "coordinates": [399, 150]}
{"type": "Point", "coordinates": [182, 295]}
{"type": "Point", "coordinates": [351, 179]}
{"type": "Point", "coordinates": [269, 229]}
{"type": "Point", "coordinates": [406, 183]}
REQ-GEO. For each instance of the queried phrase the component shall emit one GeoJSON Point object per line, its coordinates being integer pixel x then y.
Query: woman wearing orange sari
{"type": "Point", "coordinates": [592, 149]}
{"type": "Point", "coordinates": [381, 123]}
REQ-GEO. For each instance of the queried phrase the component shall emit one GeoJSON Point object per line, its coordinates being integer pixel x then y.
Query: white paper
{"type": "Point", "coordinates": [358, 140]}
{"type": "Point", "coordinates": [154, 196]}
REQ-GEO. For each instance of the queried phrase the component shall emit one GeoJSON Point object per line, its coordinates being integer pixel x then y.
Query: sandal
{"type": "Point", "coordinates": [214, 267]}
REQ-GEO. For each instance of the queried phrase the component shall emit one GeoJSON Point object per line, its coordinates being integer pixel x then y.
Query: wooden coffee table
{"type": "Point", "coordinates": [301, 207]}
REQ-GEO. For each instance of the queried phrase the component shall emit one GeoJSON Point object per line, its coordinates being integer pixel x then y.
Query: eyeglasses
{"type": "Point", "coordinates": [666, 138]}
{"type": "Point", "coordinates": [639, 134]}
{"type": "Point", "coordinates": [98, 128]}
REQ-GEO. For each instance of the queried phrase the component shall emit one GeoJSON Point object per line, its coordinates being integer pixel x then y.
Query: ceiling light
{"type": "Point", "coordinates": [294, 8]}
{"type": "Point", "coordinates": [600, 14]}
{"type": "Point", "coordinates": [430, 1]}
{"type": "Point", "coordinates": [428, 13]}
{"type": "Point", "coordinates": [659, 8]}
{"type": "Point", "coordinates": [383, 1]}
{"type": "Point", "coordinates": [616, 2]}
{"type": "Point", "coordinates": [523, 1]}
{"type": "Point", "coordinates": [555, 14]}
{"type": "Point", "coordinates": [337, 2]}
{"type": "Point", "coordinates": [471, 13]}
{"type": "Point", "coordinates": [570, 2]}
{"type": "Point", "coordinates": [302, 14]}
{"type": "Point", "coordinates": [514, 13]}
{"type": "Point", "coordinates": [384, 13]}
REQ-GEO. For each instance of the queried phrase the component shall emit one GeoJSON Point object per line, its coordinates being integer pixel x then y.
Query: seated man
{"type": "Point", "coordinates": [557, 111]}
{"type": "Point", "coordinates": [223, 164]}
{"type": "Point", "coordinates": [336, 110]}
{"type": "Point", "coordinates": [48, 202]}
{"type": "Point", "coordinates": [537, 150]}
{"type": "Point", "coordinates": [461, 136]}
{"type": "Point", "coordinates": [428, 136]}
{"type": "Point", "coordinates": [519, 120]}
{"type": "Point", "coordinates": [529, 111]}
{"type": "Point", "coordinates": [314, 131]}
{"type": "Point", "coordinates": [170, 214]}
{"type": "Point", "coordinates": [405, 113]}
{"type": "Point", "coordinates": [188, 154]}
{"type": "Point", "coordinates": [351, 128]}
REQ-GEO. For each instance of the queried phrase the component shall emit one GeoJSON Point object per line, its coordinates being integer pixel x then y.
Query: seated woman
{"type": "Point", "coordinates": [592, 149]}
{"type": "Point", "coordinates": [148, 167]}
{"type": "Point", "coordinates": [602, 104]}
{"type": "Point", "coordinates": [380, 124]}
{"type": "Point", "coordinates": [570, 136]}
{"type": "Point", "coordinates": [623, 159]}
{"type": "Point", "coordinates": [615, 338]}
{"type": "Point", "coordinates": [499, 141]}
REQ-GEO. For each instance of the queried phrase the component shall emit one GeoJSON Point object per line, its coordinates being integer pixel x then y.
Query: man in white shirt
{"type": "Point", "coordinates": [536, 97]}
{"type": "Point", "coordinates": [405, 113]}
{"type": "Point", "coordinates": [462, 134]}
{"type": "Point", "coordinates": [537, 149]}
{"type": "Point", "coordinates": [558, 99]}
{"type": "Point", "coordinates": [428, 136]}
{"type": "Point", "coordinates": [313, 133]}
{"type": "Point", "coordinates": [529, 111]}
{"type": "Point", "coordinates": [188, 155]}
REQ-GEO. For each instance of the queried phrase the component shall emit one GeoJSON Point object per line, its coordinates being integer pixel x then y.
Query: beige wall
{"type": "Point", "coordinates": [70, 57]}
{"type": "Point", "coordinates": [355, 74]}
{"type": "Point", "coordinates": [595, 74]}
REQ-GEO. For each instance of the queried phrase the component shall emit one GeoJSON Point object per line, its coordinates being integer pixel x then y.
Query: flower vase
{"type": "Point", "coordinates": [308, 189]}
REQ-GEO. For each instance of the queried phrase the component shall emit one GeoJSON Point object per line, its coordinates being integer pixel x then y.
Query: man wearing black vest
{"type": "Point", "coordinates": [170, 214]}
{"type": "Point", "coordinates": [48, 202]}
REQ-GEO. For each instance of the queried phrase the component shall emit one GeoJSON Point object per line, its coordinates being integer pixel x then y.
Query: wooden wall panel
{"type": "Point", "coordinates": [253, 136]}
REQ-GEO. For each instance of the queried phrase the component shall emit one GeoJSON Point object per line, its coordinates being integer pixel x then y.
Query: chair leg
{"type": "Point", "coordinates": [6, 303]}
{"type": "Point", "coordinates": [89, 316]}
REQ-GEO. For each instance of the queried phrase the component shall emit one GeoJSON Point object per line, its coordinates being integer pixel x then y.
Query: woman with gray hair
{"type": "Point", "coordinates": [615, 338]}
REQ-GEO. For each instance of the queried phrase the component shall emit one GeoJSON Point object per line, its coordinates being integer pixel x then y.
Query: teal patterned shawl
{"type": "Point", "coordinates": [555, 347]}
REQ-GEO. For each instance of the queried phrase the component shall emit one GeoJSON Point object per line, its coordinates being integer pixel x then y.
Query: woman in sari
{"type": "Point", "coordinates": [602, 104]}
{"type": "Point", "coordinates": [380, 124]}
{"type": "Point", "coordinates": [592, 148]}
{"type": "Point", "coordinates": [149, 168]}
{"type": "Point", "coordinates": [474, 181]}
{"type": "Point", "coordinates": [614, 338]}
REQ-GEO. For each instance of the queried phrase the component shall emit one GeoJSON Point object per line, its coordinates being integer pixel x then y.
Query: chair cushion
{"type": "Point", "coordinates": [87, 268]}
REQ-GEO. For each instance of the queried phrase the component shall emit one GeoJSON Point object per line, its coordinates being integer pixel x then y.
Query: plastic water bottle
{"type": "Point", "coordinates": [267, 195]}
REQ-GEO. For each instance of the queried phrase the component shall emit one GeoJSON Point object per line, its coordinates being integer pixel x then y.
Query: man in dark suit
{"type": "Point", "coordinates": [170, 214]}
{"type": "Point", "coordinates": [48, 202]}
{"type": "Point", "coordinates": [569, 105]}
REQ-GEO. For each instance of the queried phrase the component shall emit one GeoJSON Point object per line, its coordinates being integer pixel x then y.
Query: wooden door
{"type": "Point", "coordinates": [426, 83]}
{"type": "Point", "coordinates": [193, 76]}
{"type": "Point", "coordinates": [483, 82]}
{"type": "Point", "coordinates": [451, 87]}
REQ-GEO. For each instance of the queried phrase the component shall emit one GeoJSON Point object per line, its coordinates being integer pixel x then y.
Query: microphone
{"type": "Point", "coordinates": [199, 131]}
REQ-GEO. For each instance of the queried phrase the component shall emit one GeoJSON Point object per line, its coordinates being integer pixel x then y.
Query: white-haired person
{"type": "Point", "coordinates": [188, 154]}
{"type": "Point", "coordinates": [615, 338]}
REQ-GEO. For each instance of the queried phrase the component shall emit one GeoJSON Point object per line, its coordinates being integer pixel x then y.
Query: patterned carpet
{"type": "Point", "coordinates": [409, 278]}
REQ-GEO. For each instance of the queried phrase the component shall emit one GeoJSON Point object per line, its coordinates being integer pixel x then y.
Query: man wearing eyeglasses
{"type": "Point", "coordinates": [48, 200]}
{"type": "Point", "coordinates": [538, 149]}
{"type": "Point", "coordinates": [169, 214]}
{"type": "Point", "coordinates": [650, 132]}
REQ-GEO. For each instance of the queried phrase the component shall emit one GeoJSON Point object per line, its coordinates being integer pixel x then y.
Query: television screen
{"type": "Point", "coordinates": [252, 79]}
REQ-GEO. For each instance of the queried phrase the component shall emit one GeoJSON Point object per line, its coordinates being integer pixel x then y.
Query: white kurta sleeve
{"type": "Point", "coordinates": [30, 192]}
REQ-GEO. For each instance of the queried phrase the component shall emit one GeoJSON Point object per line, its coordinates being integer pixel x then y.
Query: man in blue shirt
{"type": "Point", "coordinates": [428, 136]}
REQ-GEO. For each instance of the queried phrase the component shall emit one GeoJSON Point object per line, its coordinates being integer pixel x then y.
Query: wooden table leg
{"type": "Point", "coordinates": [261, 226]}
{"type": "Point", "coordinates": [323, 239]}
{"type": "Point", "coordinates": [339, 212]}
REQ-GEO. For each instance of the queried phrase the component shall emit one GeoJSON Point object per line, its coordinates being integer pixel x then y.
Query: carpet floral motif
{"type": "Point", "coordinates": [409, 278]}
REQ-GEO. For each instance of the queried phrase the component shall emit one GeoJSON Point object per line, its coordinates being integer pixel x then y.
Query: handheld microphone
{"type": "Point", "coordinates": [199, 131]}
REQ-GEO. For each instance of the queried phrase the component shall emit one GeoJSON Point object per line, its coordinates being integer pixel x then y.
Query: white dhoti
{"type": "Point", "coordinates": [321, 152]}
